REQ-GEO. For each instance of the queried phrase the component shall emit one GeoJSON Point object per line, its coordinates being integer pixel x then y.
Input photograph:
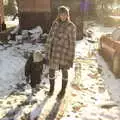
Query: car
{"type": "Point", "coordinates": [110, 50]}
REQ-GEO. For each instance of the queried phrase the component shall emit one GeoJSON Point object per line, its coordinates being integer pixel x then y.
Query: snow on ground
{"type": "Point", "coordinates": [11, 23]}
{"type": "Point", "coordinates": [95, 88]}
{"type": "Point", "coordinates": [97, 97]}
{"type": "Point", "coordinates": [112, 84]}
{"type": "Point", "coordinates": [12, 63]}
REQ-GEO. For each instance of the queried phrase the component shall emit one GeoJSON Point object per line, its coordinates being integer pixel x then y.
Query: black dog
{"type": "Point", "coordinates": [34, 68]}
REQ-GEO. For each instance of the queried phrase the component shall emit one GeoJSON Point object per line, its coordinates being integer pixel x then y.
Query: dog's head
{"type": "Point", "coordinates": [37, 56]}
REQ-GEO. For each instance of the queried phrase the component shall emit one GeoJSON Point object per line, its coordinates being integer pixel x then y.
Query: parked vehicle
{"type": "Point", "coordinates": [110, 50]}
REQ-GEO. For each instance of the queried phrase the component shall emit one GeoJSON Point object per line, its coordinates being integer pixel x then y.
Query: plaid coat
{"type": "Point", "coordinates": [61, 44]}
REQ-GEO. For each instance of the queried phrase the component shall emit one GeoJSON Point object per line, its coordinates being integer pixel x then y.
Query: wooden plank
{"type": "Point", "coordinates": [1, 12]}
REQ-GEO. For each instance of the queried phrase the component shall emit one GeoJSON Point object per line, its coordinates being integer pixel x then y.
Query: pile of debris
{"type": "Point", "coordinates": [33, 36]}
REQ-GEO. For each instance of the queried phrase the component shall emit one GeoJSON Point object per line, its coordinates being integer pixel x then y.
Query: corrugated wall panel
{"type": "Point", "coordinates": [42, 6]}
{"type": "Point", "coordinates": [34, 5]}
{"type": "Point", "coordinates": [26, 5]}
{"type": "Point", "coordinates": [35, 12]}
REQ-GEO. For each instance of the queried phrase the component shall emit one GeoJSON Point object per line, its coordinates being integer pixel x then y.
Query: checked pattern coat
{"type": "Point", "coordinates": [61, 44]}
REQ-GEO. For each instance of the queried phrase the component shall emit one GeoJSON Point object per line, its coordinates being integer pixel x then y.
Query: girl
{"type": "Point", "coordinates": [61, 48]}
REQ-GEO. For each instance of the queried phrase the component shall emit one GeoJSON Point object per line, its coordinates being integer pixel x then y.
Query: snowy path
{"type": "Point", "coordinates": [95, 97]}
{"type": "Point", "coordinates": [92, 101]}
